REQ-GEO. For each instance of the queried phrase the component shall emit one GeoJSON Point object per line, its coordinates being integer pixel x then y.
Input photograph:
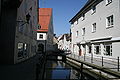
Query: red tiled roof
{"type": "Point", "coordinates": [44, 18]}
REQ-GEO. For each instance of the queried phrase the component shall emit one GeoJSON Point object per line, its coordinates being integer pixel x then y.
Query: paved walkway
{"type": "Point", "coordinates": [22, 71]}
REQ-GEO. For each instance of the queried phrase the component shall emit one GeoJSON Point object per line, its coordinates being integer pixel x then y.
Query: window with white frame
{"type": "Point", "coordinates": [77, 33]}
{"type": "Point", "coordinates": [93, 27]}
{"type": "Point", "coordinates": [108, 49]}
{"type": "Point", "coordinates": [72, 25]}
{"type": "Point", "coordinates": [108, 2]}
{"type": "Point", "coordinates": [93, 9]}
{"type": "Point", "coordinates": [97, 49]}
{"type": "Point", "coordinates": [109, 21]}
{"type": "Point", "coordinates": [83, 31]}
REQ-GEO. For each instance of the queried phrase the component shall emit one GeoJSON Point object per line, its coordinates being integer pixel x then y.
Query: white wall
{"type": "Point", "coordinates": [44, 36]}
{"type": "Point", "coordinates": [99, 17]}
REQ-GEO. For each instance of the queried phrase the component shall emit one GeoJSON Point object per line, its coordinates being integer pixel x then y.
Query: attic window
{"type": "Point", "coordinates": [108, 2]}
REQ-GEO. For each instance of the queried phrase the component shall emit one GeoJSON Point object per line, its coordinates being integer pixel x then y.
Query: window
{"type": "Point", "coordinates": [20, 49]}
{"type": "Point", "coordinates": [108, 2]}
{"type": "Point", "coordinates": [83, 31]}
{"type": "Point", "coordinates": [76, 33]}
{"type": "Point", "coordinates": [83, 17]}
{"type": "Point", "coordinates": [94, 27]}
{"type": "Point", "coordinates": [41, 36]}
{"type": "Point", "coordinates": [108, 49]}
{"type": "Point", "coordinates": [93, 9]}
{"type": "Point", "coordinates": [76, 22]}
{"type": "Point", "coordinates": [97, 49]}
{"type": "Point", "coordinates": [109, 21]}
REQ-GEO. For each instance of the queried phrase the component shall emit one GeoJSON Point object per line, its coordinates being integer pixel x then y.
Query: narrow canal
{"type": "Point", "coordinates": [61, 70]}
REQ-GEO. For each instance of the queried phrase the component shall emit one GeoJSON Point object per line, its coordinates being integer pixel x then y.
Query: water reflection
{"type": "Point", "coordinates": [60, 72]}
{"type": "Point", "coordinates": [57, 70]}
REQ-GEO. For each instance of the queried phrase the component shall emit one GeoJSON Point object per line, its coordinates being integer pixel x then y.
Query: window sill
{"type": "Point", "coordinates": [93, 31]}
{"type": "Point", "coordinates": [109, 27]}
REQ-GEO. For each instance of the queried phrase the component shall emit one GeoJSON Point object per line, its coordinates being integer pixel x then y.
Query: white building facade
{"type": "Point", "coordinates": [64, 42]}
{"type": "Point", "coordinates": [45, 32]}
{"type": "Point", "coordinates": [96, 29]}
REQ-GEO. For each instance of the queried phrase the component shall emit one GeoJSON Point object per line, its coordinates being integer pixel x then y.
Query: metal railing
{"type": "Point", "coordinates": [111, 63]}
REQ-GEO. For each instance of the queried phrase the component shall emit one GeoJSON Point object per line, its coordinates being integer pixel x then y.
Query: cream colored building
{"type": "Point", "coordinates": [96, 29]}
{"type": "Point", "coordinates": [64, 42]}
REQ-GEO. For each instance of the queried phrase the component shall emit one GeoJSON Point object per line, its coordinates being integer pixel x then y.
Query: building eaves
{"type": "Point", "coordinates": [86, 6]}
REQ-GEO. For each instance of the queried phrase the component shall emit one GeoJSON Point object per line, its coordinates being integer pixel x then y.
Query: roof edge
{"type": "Point", "coordinates": [88, 3]}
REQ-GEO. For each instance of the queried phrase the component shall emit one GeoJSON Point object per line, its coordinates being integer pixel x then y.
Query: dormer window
{"type": "Point", "coordinates": [76, 22]}
{"type": "Point", "coordinates": [83, 17]}
{"type": "Point", "coordinates": [93, 9]}
{"type": "Point", "coordinates": [108, 2]}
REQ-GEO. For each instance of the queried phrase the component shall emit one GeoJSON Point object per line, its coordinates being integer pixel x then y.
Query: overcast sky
{"type": "Point", "coordinates": [63, 11]}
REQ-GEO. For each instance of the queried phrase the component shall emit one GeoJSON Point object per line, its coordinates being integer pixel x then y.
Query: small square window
{"type": "Point", "coordinates": [41, 36]}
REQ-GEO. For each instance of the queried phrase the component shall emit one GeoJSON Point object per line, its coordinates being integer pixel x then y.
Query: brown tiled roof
{"type": "Point", "coordinates": [44, 19]}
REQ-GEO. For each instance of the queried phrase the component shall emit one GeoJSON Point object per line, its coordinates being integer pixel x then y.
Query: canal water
{"type": "Point", "coordinates": [61, 70]}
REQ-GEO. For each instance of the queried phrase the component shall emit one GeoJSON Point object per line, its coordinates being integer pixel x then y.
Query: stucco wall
{"type": "Point", "coordinates": [99, 17]}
